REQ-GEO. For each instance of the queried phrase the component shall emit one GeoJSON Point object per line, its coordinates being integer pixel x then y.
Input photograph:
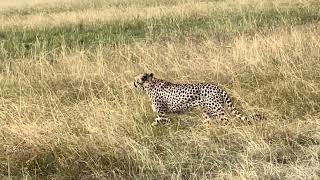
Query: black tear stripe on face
{"type": "Point", "coordinates": [135, 85]}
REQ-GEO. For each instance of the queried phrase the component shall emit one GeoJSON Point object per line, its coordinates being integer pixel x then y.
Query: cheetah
{"type": "Point", "coordinates": [168, 98]}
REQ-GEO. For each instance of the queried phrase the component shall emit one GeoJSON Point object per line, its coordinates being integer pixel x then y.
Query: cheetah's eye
{"type": "Point", "coordinates": [144, 78]}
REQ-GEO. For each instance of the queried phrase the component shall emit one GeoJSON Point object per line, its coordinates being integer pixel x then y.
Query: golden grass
{"type": "Point", "coordinates": [20, 4]}
{"type": "Point", "coordinates": [79, 117]}
{"type": "Point", "coordinates": [82, 109]}
{"type": "Point", "coordinates": [40, 4]}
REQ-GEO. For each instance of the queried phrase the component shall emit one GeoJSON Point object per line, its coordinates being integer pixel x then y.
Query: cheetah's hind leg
{"type": "Point", "coordinates": [216, 114]}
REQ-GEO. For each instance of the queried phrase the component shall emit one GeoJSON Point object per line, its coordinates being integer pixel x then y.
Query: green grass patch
{"type": "Point", "coordinates": [23, 43]}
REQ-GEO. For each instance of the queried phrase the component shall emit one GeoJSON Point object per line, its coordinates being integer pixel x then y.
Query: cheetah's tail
{"type": "Point", "coordinates": [233, 110]}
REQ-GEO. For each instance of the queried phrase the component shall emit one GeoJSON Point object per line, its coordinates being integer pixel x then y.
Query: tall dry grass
{"type": "Point", "coordinates": [81, 116]}
{"type": "Point", "coordinates": [76, 115]}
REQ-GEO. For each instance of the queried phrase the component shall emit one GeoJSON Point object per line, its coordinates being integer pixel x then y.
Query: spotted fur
{"type": "Point", "coordinates": [170, 98]}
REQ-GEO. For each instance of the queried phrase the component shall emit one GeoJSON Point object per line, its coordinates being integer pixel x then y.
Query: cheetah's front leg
{"type": "Point", "coordinates": [160, 119]}
{"type": "Point", "coordinates": [161, 110]}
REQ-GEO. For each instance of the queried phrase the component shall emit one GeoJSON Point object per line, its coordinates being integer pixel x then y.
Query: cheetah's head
{"type": "Point", "coordinates": [142, 81]}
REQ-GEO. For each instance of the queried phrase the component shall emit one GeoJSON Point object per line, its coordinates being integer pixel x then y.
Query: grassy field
{"type": "Point", "coordinates": [68, 108]}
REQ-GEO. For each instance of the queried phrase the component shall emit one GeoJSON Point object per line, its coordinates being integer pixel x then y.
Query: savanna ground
{"type": "Point", "coordinates": [68, 109]}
